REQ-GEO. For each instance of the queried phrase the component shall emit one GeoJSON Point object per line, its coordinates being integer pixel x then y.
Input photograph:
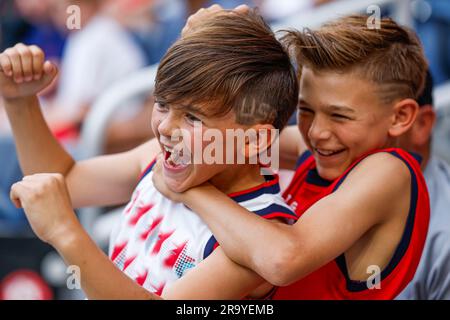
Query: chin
{"type": "Point", "coordinates": [329, 174]}
{"type": "Point", "coordinates": [178, 187]}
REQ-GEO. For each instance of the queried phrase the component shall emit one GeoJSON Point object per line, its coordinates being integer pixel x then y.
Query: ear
{"type": "Point", "coordinates": [265, 136]}
{"type": "Point", "coordinates": [423, 126]}
{"type": "Point", "coordinates": [405, 113]}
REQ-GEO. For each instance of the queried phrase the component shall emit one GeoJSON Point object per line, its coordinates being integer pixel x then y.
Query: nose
{"type": "Point", "coordinates": [168, 125]}
{"type": "Point", "coordinates": [319, 129]}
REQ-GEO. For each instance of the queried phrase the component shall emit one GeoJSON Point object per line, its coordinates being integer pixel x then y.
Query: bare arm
{"type": "Point", "coordinates": [291, 147]}
{"type": "Point", "coordinates": [46, 202]}
{"type": "Point", "coordinates": [282, 254]}
{"type": "Point", "coordinates": [217, 277]}
{"type": "Point", "coordinates": [100, 278]}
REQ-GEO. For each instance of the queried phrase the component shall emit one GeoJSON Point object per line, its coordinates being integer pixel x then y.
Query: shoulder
{"type": "Point", "coordinates": [384, 168]}
{"type": "Point", "coordinates": [146, 153]}
{"type": "Point", "coordinates": [378, 183]}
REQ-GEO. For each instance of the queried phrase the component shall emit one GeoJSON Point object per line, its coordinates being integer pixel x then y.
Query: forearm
{"type": "Point", "coordinates": [253, 242]}
{"type": "Point", "coordinates": [37, 148]}
{"type": "Point", "coordinates": [100, 278]}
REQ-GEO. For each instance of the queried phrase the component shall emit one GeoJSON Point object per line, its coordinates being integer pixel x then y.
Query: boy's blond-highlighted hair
{"type": "Point", "coordinates": [390, 56]}
{"type": "Point", "coordinates": [232, 61]}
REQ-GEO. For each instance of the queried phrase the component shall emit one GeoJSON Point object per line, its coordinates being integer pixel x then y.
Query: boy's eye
{"type": "Point", "coordinates": [161, 106]}
{"type": "Point", "coordinates": [192, 118]}
{"type": "Point", "coordinates": [340, 116]}
{"type": "Point", "coordinates": [303, 110]}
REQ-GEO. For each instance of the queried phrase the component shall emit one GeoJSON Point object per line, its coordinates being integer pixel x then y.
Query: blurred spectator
{"type": "Point", "coordinates": [99, 54]}
{"type": "Point", "coordinates": [433, 28]}
{"type": "Point", "coordinates": [432, 278]}
{"type": "Point", "coordinates": [30, 22]}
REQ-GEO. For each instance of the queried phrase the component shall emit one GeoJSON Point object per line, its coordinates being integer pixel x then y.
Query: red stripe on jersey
{"type": "Point", "coordinates": [161, 238]}
{"type": "Point", "coordinates": [173, 255]}
{"type": "Point", "coordinates": [128, 262]}
{"type": "Point", "coordinates": [140, 279]}
{"type": "Point", "coordinates": [152, 227]}
{"type": "Point", "coordinates": [117, 250]}
{"type": "Point", "coordinates": [159, 290]}
{"type": "Point", "coordinates": [132, 203]}
{"type": "Point", "coordinates": [141, 211]}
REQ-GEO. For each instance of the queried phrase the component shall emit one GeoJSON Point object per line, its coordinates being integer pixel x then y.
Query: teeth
{"type": "Point", "coordinates": [175, 156]}
{"type": "Point", "coordinates": [179, 158]}
{"type": "Point", "coordinates": [326, 152]}
{"type": "Point", "coordinates": [167, 149]}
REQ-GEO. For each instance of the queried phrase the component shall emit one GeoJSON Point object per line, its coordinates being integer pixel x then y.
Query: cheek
{"type": "Point", "coordinates": [351, 135]}
{"type": "Point", "coordinates": [155, 121]}
{"type": "Point", "coordinates": [359, 137]}
{"type": "Point", "coordinates": [187, 138]}
{"type": "Point", "coordinates": [304, 126]}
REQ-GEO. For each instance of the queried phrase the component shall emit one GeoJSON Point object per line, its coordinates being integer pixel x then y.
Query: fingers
{"type": "Point", "coordinates": [243, 8]}
{"type": "Point", "coordinates": [38, 61]}
{"type": "Point", "coordinates": [215, 8]}
{"type": "Point", "coordinates": [201, 15]}
{"type": "Point", "coordinates": [43, 178]}
{"type": "Point", "coordinates": [195, 20]}
{"type": "Point", "coordinates": [5, 65]}
{"type": "Point", "coordinates": [18, 191]}
{"type": "Point", "coordinates": [26, 59]}
{"type": "Point", "coordinates": [16, 64]}
{"type": "Point", "coordinates": [49, 68]}
{"type": "Point", "coordinates": [25, 63]}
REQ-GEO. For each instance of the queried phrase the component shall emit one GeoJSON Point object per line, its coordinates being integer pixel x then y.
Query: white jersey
{"type": "Point", "coordinates": [157, 241]}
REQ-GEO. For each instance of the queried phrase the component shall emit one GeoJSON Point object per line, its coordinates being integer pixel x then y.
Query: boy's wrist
{"type": "Point", "coordinates": [67, 236]}
{"type": "Point", "coordinates": [190, 196]}
{"type": "Point", "coordinates": [19, 101]}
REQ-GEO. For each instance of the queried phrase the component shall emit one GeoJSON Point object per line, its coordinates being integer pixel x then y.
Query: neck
{"type": "Point", "coordinates": [238, 177]}
{"type": "Point", "coordinates": [424, 152]}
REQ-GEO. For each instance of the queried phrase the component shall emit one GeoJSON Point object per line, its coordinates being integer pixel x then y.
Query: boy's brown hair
{"type": "Point", "coordinates": [391, 56]}
{"type": "Point", "coordinates": [232, 61]}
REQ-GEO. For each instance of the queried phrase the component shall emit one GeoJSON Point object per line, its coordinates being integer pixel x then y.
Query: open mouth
{"type": "Point", "coordinates": [174, 158]}
{"type": "Point", "coordinates": [328, 153]}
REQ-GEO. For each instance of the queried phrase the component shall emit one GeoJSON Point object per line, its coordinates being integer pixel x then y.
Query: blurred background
{"type": "Point", "coordinates": [101, 102]}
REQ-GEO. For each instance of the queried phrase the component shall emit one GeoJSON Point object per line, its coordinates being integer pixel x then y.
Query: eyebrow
{"type": "Point", "coordinates": [331, 108]}
{"type": "Point", "coordinates": [194, 109]}
{"type": "Point", "coordinates": [341, 108]}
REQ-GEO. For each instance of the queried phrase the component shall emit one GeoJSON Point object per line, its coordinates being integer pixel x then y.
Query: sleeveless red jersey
{"type": "Point", "coordinates": [332, 281]}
